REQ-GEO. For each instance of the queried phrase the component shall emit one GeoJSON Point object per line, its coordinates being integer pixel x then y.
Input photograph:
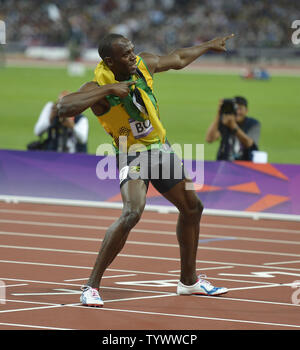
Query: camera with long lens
{"type": "Point", "coordinates": [56, 122]}
{"type": "Point", "coordinates": [229, 106]}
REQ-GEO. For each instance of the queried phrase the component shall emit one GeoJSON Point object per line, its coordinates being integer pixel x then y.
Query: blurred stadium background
{"type": "Point", "coordinates": [44, 37]}
{"type": "Point", "coordinates": [49, 46]}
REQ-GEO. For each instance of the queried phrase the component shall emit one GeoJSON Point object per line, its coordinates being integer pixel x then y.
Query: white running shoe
{"type": "Point", "coordinates": [201, 287]}
{"type": "Point", "coordinates": [90, 297]}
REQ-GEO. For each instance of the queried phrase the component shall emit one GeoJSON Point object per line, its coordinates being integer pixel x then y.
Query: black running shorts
{"type": "Point", "coordinates": [160, 166]}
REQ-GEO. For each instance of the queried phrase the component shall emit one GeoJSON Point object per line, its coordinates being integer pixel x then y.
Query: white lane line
{"type": "Point", "coordinates": [63, 215]}
{"type": "Point", "coordinates": [60, 291]}
{"type": "Point", "coordinates": [78, 279]}
{"type": "Point", "coordinates": [30, 308]}
{"type": "Point", "coordinates": [131, 289]}
{"type": "Point", "coordinates": [45, 264]}
{"type": "Point", "coordinates": [92, 239]}
{"type": "Point", "coordinates": [45, 306]}
{"type": "Point", "coordinates": [13, 285]}
{"type": "Point", "coordinates": [48, 249]}
{"type": "Point", "coordinates": [282, 262]}
{"type": "Point", "coordinates": [29, 302]}
{"type": "Point", "coordinates": [53, 224]}
{"type": "Point", "coordinates": [135, 271]}
{"type": "Point", "coordinates": [208, 268]}
{"type": "Point", "coordinates": [42, 282]}
{"type": "Point", "coordinates": [86, 227]}
{"type": "Point", "coordinates": [58, 236]}
{"type": "Point", "coordinates": [113, 276]}
{"type": "Point", "coordinates": [222, 298]}
{"type": "Point", "coordinates": [262, 240]}
{"type": "Point", "coordinates": [155, 258]}
{"type": "Point", "coordinates": [203, 318]}
{"type": "Point", "coordinates": [252, 228]}
{"type": "Point", "coordinates": [33, 326]}
{"type": "Point", "coordinates": [146, 272]}
{"type": "Point", "coordinates": [159, 221]}
{"type": "Point", "coordinates": [245, 251]}
{"type": "Point", "coordinates": [139, 291]}
{"type": "Point", "coordinates": [178, 316]}
{"type": "Point", "coordinates": [79, 285]}
{"type": "Point", "coordinates": [70, 292]}
{"type": "Point", "coordinates": [84, 267]}
{"type": "Point", "coordinates": [140, 298]}
{"type": "Point", "coordinates": [104, 228]}
{"type": "Point", "coordinates": [158, 293]}
{"type": "Point", "coordinates": [261, 274]}
{"type": "Point", "coordinates": [206, 248]}
{"type": "Point", "coordinates": [264, 286]}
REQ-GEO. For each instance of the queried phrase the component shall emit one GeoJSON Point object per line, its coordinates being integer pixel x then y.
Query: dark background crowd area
{"type": "Point", "coordinates": [153, 25]}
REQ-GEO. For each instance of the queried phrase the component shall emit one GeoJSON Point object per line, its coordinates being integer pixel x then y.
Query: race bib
{"type": "Point", "coordinates": [140, 129]}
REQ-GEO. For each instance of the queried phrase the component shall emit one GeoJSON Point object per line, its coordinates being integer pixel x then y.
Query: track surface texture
{"type": "Point", "coordinates": [47, 252]}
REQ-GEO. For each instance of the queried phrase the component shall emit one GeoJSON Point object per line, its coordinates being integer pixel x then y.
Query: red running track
{"type": "Point", "coordinates": [47, 252]}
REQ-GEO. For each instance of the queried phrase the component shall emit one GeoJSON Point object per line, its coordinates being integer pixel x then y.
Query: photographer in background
{"type": "Point", "coordinates": [64, 134]}
{"type": "Point", "coordinates": [239, 133]}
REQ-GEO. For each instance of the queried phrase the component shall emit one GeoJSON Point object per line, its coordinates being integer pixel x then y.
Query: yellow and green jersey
{"type": "Point", "coordinates": [126, 117]}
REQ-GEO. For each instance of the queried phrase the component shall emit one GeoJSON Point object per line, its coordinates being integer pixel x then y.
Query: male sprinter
{"type": "Point", "coordinates": [122, 98]}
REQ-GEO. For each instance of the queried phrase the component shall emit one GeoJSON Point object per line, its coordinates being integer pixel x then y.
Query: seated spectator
{"type": "Point", "coordinates": [239, 133]}
{"type": "Point", "coordinates": [64, 135]}
{"type": "Point", "coordinates": [158, 25]}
